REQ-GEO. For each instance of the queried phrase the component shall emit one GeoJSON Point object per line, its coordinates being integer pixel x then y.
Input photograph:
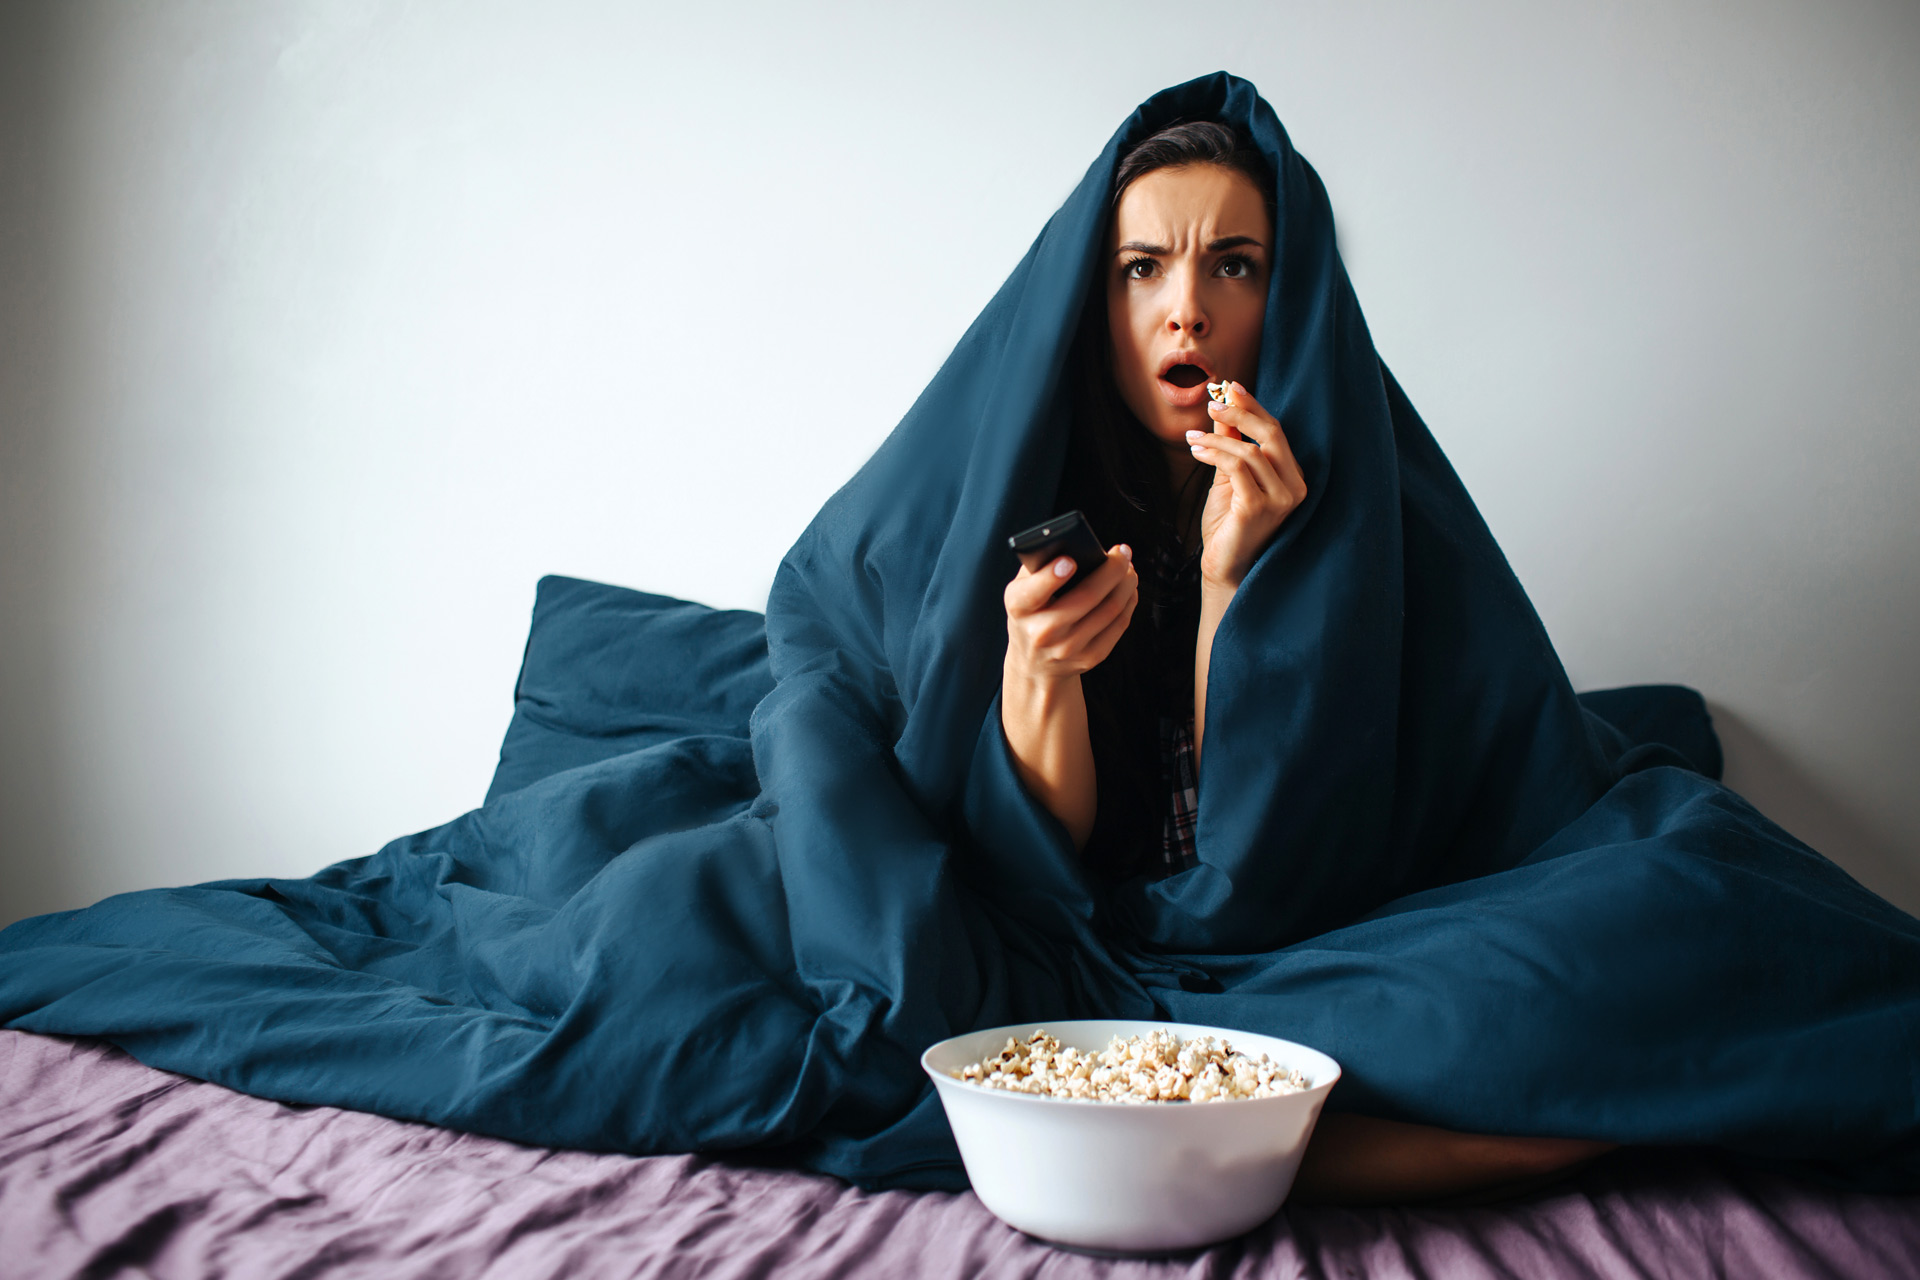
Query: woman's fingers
{"type": "Point", "coordinates": [1117, 602]}
{"type": "Point", "coordinates": [1240, 459]}
{"type": "Point", "coordinates": [1031, 593]}
{"type": "Point", "coordinates": [1246, 416]}
{"type": "Point", "coordinates": [1253, 459]}
{"type": "Point", "coordinates": [1257, 485]}
{"type": "Point", "coordinates": [1101, 646]}
{"type": "Point", "coordinates": [1032, 588]}
{"type": "Point", "coordinates": [1069, 636]}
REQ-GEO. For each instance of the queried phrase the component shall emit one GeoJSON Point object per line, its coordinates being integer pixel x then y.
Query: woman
{"type": "Point", "coordinates": [1180, 304]}
{"type": "Point", "coordinates": [1206, 484]}
{"type": "Point", "coordinates": [1406, 843]}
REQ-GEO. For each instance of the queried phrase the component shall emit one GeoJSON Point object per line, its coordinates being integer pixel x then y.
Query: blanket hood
{"type": "Point", "coordinates": [1385, 712]}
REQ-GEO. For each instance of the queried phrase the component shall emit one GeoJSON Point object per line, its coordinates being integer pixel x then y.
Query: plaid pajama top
{"type": "Point", "coordinates": [1178, 580]}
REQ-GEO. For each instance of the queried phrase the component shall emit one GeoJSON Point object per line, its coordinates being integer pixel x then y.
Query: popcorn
{"type": "Point", "coordinates": [1156, 1067]}
{"type": "Point", "coordinates": [1218, 390]}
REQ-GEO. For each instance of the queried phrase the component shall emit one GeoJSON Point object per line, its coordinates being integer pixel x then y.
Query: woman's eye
{"type": "Point", "coordinates": [1140, 268]}
{"type": "Point", "coordinates": [1236, 268]}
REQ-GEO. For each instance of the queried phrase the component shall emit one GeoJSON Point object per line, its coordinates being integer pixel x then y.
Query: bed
{"type": "Point", "coordinates": [111, 1168]}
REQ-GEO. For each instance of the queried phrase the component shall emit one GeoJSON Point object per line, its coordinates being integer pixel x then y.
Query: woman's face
{"type": "Point", "coordinates": [1186, 292]}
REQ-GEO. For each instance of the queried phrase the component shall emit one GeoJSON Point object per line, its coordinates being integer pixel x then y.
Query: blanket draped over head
{"type": "Point", "coordinates": [1417, 851]}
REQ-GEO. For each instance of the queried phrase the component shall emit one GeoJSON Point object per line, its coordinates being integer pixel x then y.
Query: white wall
{"type": "Point", "coordinates": [328, 327]}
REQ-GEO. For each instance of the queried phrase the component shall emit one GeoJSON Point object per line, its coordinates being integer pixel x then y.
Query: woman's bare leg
{"type": "Point", "coordinates": [1363, 1160]}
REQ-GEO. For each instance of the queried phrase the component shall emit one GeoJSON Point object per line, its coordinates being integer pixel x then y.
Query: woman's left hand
{"type": "Point", "coordinates": [1256, 486]}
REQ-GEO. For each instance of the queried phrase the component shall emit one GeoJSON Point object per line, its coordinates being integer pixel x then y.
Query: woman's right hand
{"type": "Point", "coordinates": [1074, 634]}
{"type": "Point", "coordinates": [1043, 709]}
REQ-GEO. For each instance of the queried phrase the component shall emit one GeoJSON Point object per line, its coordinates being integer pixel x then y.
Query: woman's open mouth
{"type": "Point", "coordinates": [1183, 383]}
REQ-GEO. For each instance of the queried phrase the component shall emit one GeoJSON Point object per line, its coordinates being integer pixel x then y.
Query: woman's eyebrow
{"type": "Point", "coordinates": [1213, 246]}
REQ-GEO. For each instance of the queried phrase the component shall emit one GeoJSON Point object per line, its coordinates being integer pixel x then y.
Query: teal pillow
{"type": "Point", "coordinates": [609, 670]}
{"type": "Point", "coordinates": [1667, 715]}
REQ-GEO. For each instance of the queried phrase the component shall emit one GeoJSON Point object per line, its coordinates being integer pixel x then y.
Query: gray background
{"type": "Point", "coordinates": [326, 328]}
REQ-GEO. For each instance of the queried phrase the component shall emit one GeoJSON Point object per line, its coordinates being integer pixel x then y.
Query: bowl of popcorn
{"type": "Point", "coordinates": [1126, 1136]}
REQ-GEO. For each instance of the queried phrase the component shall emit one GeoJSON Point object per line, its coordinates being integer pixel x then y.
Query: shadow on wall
{"type": "Point", "coordinates": [1774, 783]}
{"type": "Point", "coordinates": [36, 863]}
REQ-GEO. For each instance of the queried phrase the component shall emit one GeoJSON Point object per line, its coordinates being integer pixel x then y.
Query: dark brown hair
{"type": "Point", "coordinates": [1197, 142]}
{"type": "Point", "coordinates": [1117, 474]}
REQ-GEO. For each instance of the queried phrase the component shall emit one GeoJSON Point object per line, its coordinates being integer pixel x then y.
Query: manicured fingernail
{"type": "Point", "coordinates": [1199, 448]}
{"type": "Point", "coordinates": [1195, 436]}
{"type": "Point", "coordinates": [1126, 552]}
{"type": "Point", "coordinates": [1063, 567]}
{"type": "Point", "coordinates": [1213, 406]}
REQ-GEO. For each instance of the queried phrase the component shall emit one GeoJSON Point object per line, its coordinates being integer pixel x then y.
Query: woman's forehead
{"type": "Point", "coordinates": [1169, 207]}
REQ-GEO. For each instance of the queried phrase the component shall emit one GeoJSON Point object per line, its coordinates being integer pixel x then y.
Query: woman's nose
{"type": "Point", "coordinates": [1186, 314]}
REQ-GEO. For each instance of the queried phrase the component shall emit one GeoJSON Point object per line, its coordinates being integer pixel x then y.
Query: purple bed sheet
{"type": "Point", "coordinates": [108, 1167]}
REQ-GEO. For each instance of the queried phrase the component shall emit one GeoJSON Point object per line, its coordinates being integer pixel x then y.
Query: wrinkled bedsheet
{"type": "Point", "coordinates": [108, 1167]}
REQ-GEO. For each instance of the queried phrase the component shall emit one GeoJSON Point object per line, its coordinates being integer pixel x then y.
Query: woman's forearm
{"type": "Point", "coordinates": [1045, 721]}
{"type": "Point", "coordinates": [1213, 607]}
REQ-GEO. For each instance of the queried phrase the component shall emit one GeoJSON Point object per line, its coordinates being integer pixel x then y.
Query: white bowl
{"type": "Point", "coordinates": [1136, 1178]}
